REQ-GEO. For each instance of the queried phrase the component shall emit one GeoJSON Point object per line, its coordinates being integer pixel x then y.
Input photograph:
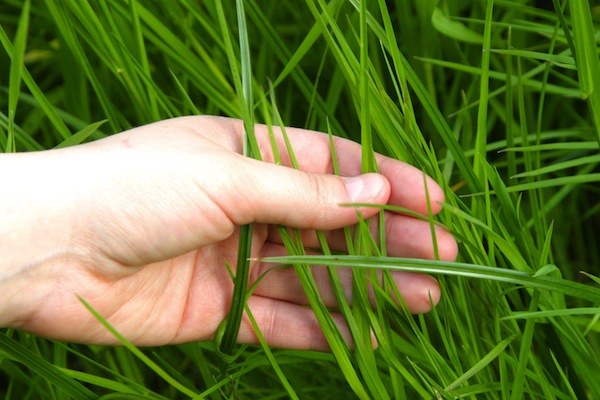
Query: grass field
{"type": "Point", "coordinates": [499, 101]}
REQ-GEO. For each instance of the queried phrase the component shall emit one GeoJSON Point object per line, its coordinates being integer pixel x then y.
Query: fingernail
{"type": "Point", "coordinates": [364, 188]}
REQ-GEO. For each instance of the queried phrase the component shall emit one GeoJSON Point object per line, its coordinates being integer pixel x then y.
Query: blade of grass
{"type": "Point", "coordinates": [488, 358]}
{"type": "Point", "coordinates": [16, 71]}
{"type": "Point", "coordinates": [586, 55]}
{"type": "Point", "coordinates": [525, 351]}
{"type": "Point", "coordinates": [43, 368]}
{"type": "Point", "coordinates": [337, 343]}
{"type": "Point", "coordinates": [556, 182]}
{"type": "Point", "coordinates": [526, 78]}
{"type": "Point", "coordinates": [209, 80]}
{"type": "Point", "coordinates": [143, 56]}
{"type": "Point", "coordinates": [368, 158]}
{"type": "Point", "coordinates": [269, 354]}
{"type": "Point", "coordinates": [482, 112]}
{"type": "Point", "coordinates": [109, 384]}
{"type": "Point", "coordinates": [65, 24]}
{"type": "Point", "coordinates": [561, 166]}
{"type": "Point", "coordinates": [454, 29]}
{"type": "Point", "coordinates": [138, 353]}
{"type": "Point", "coordinates": [555, 59]}
{"type": "Point", "coordinates": [80, 136]}
{"type": "Point", "coordinates": [518, 278]}
{"type": "Point", "coordinates": [243, 85]}
{"type": "Point", "coordinates": [553, 313]}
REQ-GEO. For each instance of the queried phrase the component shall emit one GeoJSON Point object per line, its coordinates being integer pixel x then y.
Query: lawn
{"type": "Point", "coordinates": [498, 100]}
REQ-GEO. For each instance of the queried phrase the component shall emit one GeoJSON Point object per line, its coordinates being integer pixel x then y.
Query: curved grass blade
{"type": "Point", "coordinates": [109, 384]}
{"type": "Point", "coordinates": [138, 353]}
{"type": "Point", "coordinates": [488, 358]}
{"type": "Point", "coordinates": [554, 313]}
{"type": "Point", "coordinates": [454, 29]}
{"type": "Point", "coordinates": [519, 278]}
{"type": "Point", "coordinates": [21, 354]}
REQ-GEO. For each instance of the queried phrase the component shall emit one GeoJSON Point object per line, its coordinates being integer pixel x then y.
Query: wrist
{"type": "Point", "coordinates": [33, 232]}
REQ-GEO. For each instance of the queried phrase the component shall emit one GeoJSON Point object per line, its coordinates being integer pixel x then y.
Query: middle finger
{"type": "Point", "coordinates": [405, 237]}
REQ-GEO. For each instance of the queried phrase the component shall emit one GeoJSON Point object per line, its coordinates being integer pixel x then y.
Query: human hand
{"type": "Point", "coordinates": [140, 225]}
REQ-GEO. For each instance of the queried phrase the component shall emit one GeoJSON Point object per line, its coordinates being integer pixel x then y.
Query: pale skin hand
{"type": "Point", "coordinates": [140, 225]}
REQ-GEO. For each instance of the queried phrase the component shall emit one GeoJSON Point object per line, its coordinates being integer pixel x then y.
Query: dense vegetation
{"type": "Point", "coordinates": [498, 100]}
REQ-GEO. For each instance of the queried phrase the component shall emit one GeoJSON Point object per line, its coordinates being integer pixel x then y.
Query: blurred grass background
{"type": "Point", "coordinates": [498, 100]}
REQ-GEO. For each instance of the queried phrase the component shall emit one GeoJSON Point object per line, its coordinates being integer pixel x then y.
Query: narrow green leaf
{"type": "Point", "coordinates": [546, 270]}
{"type": "Point", "coordinates": [546, 183]}
{"type": "Point", "coordinates": [526, 79]}
{"type": "Point", "coordinates": [44, 369]}
{"type": "Point", "coordinates": [80, 136]}
{"type": "Point", "coordinates": [553, 313]}
{"type": "Point", "coordinates": [243, 84]}
{"type": "Point", "coordinates": [592, 277]}
{"type": "Point", "coordinates": [563, 376]}
{"type": "Point", "coordinates": [518, 278]}
{"type": "Point", "coordinates": [138, 353]}
{"type": "Point", "coordinates": [454, 29]}
{"type": "Point", "coordinates": [556, 59]}
{"type": "Point", "coordinates": [16, 71]}
{"type": "Point", "coordinates": [482, 112]}
{"type": "Point", "coordinates": [368, 158]}
{"type": "Point", "coordinates": [272, 360]}
{"type": "Point", "coordinates": [560, 166]}
{"type": "Point", "coordinates": [100, 382]}
{"type": "Point", "coordinates": [236, 311]}
{"type": "Point", "coordinates": [588, 66]}
{"type": "Point", "coordinates": [486, 360]}
{"type": "Point", "coordinates": [518, 386]}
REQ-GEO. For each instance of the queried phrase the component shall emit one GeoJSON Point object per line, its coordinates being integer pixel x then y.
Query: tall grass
{"type": "Point", "coordinates": [497, 100]}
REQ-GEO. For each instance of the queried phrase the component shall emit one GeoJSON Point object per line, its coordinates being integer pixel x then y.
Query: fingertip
{"type": "Point", "coordinates": [419, 292]}
{"type": "Point", "coordinates": [412, 188]}
{"type": "Point", "coordinates": [427, 297]}
{"type": "Point", "coordinates": [447, 246]}
{"type": "Point", "coordinates": [367, 188]}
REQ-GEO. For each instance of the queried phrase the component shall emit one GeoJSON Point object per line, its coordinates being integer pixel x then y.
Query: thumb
{"type": "Point", "coordinates": [273, 194]}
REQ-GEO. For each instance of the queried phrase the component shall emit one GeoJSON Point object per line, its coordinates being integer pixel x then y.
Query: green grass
{"type": "Point", "coordinates": [497, 100]}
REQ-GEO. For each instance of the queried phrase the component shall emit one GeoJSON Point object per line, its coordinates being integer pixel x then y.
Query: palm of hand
{"type": "Point", "coordinates": [180, 300]}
